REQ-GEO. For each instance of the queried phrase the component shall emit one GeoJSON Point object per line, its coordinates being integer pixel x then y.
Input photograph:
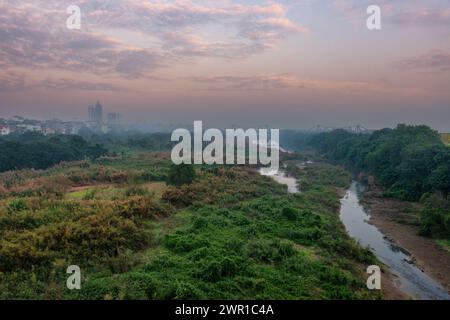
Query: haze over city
{"type": "Point", "coordinates": [288, 64]}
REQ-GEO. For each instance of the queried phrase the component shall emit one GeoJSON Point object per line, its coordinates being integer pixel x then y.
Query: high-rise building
{"type": "Point", "coordinates": [91, 111]}
{"type": "Point", "coordinates": [113, 118]}
{"type": "Point", "coordinates": [96, 113]}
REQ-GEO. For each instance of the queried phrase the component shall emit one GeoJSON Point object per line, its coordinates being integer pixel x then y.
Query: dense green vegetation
{"type": "Point", "coordinates": [295, 140]}
{"type": "Point", "coordinates": [142, 228]}
{"type": "Point", "coordinates": [36, 151]}
{"type": "Point", "coordinates": [39, 152]}
{"type": "Point", "coordinates": [181, 174]}
{"type": "Point", "coordinates": [118, 143]}
{"type": "Point", "coordinates": [229, 234]}
{"type": "Point", "coordinates": [316, 176]}
{"type": "Point", "coordinates": [411, 162]}
{"type": "Point", "coordinates": [435, 216]}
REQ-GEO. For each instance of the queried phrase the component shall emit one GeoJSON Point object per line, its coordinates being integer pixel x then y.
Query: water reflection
{"type": "Point", "coordinates": [412, 280]}
{"type": "Point", "coordinates": [281, 177]}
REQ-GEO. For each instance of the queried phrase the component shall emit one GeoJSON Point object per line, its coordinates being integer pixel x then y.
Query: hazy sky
{"type": "Point", "coordinates": [290, 63]}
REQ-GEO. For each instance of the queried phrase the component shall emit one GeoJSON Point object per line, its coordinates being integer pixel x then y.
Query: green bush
{"type": "Point", "coordinates": [17, 205]}
{"type": "Point", "coordinates": [181, 174]}
{"type": "Point", "coordinates": [289, 213]}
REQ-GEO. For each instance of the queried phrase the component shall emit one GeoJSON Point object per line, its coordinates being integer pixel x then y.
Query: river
{"type": "Point", "coordinates": [281, 177]}
{"type": "Point", "coordinates": [413, 281]}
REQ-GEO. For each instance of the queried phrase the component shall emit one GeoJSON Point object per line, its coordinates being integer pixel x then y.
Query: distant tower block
{"type": "Point", "coordinates": [91, 111]}
{"type": "Point", "coordinates": [113, 118]}
{"type": "Point", "coordinates": [96, 113]}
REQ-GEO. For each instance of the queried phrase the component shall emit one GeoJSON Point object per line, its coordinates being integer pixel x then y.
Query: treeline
{"type": "Point", "coordinates": [132, 141]}
{"type": "Point", "coordinates": [32, 150]}
{"type": "Point", "coordinates": [295, 140]}
{"type": "Point", "coordinates": [410, 162]}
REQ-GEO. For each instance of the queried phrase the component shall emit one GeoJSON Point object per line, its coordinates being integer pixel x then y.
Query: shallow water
{"type": "Point", "coordinates": [412, 280]}
{"type": "Point", "coordinates": [281, 177]}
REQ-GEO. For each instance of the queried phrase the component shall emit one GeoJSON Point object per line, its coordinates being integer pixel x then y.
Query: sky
{"type": "Point", "coordinates": [285, 64]}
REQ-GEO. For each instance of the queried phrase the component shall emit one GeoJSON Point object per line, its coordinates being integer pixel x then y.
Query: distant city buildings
{"type": "Point", "coordinates": [55, 126]}
{"type": "Point", "coordinates": [352, 129]}
{"type": "Point", "coordinates": [95, 123]}
{"type": "Point", "coordinates": [96, 113]}
{"type": "Point", "coordinates": [113, 119]}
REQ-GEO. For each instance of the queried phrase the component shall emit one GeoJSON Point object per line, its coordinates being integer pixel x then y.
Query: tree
{"type": "Point", "coordinates": [40, 152]}
{"type": "Point", "coordinates": [181, 174]}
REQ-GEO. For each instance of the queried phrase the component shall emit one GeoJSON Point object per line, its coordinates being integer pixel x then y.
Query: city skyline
{"type": "Point", "coordinates": [94, 123]}
{"type": "Point", "coordinates": [288, 64]}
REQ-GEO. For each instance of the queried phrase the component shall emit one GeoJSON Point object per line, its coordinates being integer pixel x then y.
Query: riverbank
{"type": "Point", "coordinates": [391, 290]}
{"type": "Point", "coordinates": [339, 180]}
{"type": "Point", "coordinates": [389, 216]}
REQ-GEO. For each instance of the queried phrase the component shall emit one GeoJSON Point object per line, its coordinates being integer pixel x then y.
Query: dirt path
{"type": "Point", "coordinates": [427, 254]}
{"type": "Point", "coordinates": [90, 186]}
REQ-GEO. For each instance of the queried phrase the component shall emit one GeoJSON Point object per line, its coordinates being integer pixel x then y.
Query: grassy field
{"type": "Point", "coordinates": [232, 234]}
{"type": "Point", "coordinates": [446, 138]}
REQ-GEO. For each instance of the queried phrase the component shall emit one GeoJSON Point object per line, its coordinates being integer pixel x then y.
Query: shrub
{"type": "Point", "coordinates": [90, 194]}
{"type": "Point", "coordinates": [181, 174]}
{"type": "Point", "coordinates": [217, 268]}
{"type": "Point", "coordinates": [270, 250]}
{"type": "Point", "coordinates": [136, 191]}
{"type": "Point", "coordinates": [289, 213]}
{"type": "Point", "coordinates": [17, 205]}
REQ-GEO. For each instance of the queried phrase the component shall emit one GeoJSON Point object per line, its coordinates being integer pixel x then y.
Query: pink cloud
{"type": "Point", "coordinates": [435, 61]}
{"type": "Point", "coordinates": [33, 35]}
